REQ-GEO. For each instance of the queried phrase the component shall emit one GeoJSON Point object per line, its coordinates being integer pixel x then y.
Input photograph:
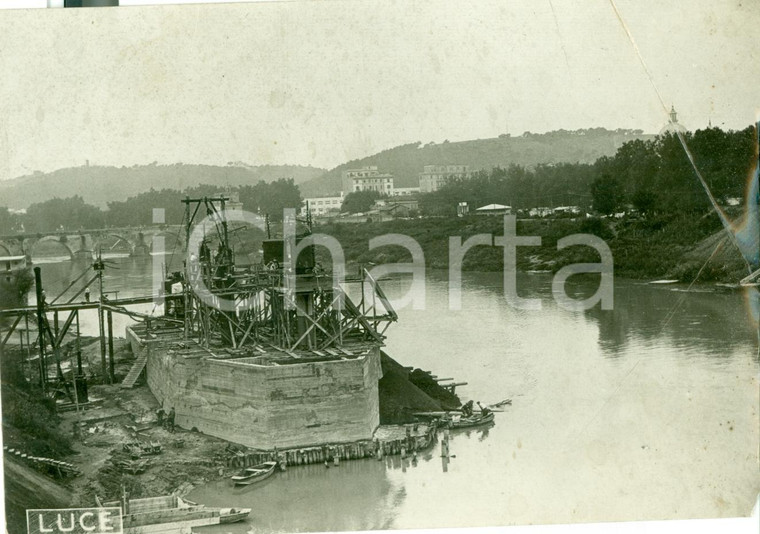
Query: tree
{"type": "Point", "coordinates": [71, 213]}
{"type": "Point", "coordinates": [606, 194]}
{"type": "Point", "coordinates": [644, 200]}
{"type": "Point", "coordinates": [723, 158]}
{"type": "Point", "coordinates": [681, 190]}
{"type": "Point", "coordinates": [8, 221]}
{"type": "Point", "coordinates": [359, 201]}
{"type": "Point", "coordinates": [271, 198]}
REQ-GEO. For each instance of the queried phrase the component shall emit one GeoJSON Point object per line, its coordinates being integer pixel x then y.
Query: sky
{"type": "Point", "coordinates": [321, 83]}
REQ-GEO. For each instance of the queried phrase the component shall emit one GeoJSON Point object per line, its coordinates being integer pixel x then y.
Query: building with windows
{"type": "Point", "coordinates": [367, 179]}
{"type": "Point", "coordinates": [320, 206]}
{"type": "Point", "coordinates": [405, 191]}
{"type": "Point", "coordinates": [433, 177]}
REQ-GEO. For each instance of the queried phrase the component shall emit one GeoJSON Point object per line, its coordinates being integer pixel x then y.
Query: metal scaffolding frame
{"type": "Point", "coordinates": [261, 310]}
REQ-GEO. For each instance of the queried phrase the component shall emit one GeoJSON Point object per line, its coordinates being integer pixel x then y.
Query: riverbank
{"type": "Point", "coordinates": [674, 247]}
{"type": "Point", "coordinates": [93, 439]}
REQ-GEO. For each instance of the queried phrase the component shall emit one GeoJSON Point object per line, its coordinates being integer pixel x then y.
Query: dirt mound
{"type": "Point", "coordinates": [399, 399]}
{"type": "Point", "coordinates": [389, 364]}
{"type": "Point", "coordinates": [403, 392]}
{"type": "Point", "coordinates": [426, 383]}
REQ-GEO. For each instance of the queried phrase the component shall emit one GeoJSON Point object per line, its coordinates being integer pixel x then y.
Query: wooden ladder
{"type": "Point", "coordinates": [134, 372]}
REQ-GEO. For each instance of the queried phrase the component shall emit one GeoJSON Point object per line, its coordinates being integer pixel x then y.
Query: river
{"type": "Point", "coordinates": [647, 411]}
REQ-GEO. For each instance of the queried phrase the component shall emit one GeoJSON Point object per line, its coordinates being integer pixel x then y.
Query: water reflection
{"type": "Point", "coordinates": [481, 433]}
{"type": "Point", "coordinates": [642, 314]}
{"type": "Point", "coordinates": [704, 319]}
{"type": "Point", "coordinates": [353, 496]}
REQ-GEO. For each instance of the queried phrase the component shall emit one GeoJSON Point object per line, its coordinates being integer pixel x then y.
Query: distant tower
{"type": "Point", "coordinates": [672, 126]}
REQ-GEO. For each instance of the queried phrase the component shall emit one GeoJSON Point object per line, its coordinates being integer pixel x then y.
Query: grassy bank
{"type": "Point", "coordinates": [674, 246]}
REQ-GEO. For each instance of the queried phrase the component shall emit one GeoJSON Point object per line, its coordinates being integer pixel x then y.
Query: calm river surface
{"type": "Point", "coordinates": [649, 411]}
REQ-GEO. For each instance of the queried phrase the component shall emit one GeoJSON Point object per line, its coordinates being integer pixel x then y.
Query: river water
{"type": "Point", "coordinates": [647, 411]}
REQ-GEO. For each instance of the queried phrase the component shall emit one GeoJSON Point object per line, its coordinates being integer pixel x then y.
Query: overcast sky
{"type": "Point", "coordinates": [320, 83]}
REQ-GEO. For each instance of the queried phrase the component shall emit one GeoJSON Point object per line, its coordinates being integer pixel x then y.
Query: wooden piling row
{"type": "Point", "coordinates": [334, 454]}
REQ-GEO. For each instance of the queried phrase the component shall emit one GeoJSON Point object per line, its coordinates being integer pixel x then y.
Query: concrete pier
{"type": "Point", "coordinates": [278, 399]}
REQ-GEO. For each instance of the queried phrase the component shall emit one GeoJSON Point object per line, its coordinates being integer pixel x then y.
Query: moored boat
{"type": "Point", "coordinates": [472, 420]}
{"type": "Point", "coordinates": [171, 513]}
{"type": "Point", "coordinates": [257, 473]}
{"type": "Point", "coordinates": [233, 515]}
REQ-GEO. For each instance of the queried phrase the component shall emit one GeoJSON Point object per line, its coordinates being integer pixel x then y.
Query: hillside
{"type": "Point", "coordinates": [405, 162]}
{"type": "Point", "coordinates": [98, 185]}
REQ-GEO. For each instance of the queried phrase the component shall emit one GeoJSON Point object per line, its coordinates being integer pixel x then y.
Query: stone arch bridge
{"type": "Point", "coordinates": [86, 243]}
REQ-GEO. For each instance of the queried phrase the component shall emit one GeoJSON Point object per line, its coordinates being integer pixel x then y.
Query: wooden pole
{"type": "Point", "coordinates": [40, 326]}
{"type": "Point", "coordinates": [74, 383]}
{"type": "Point", "coordinates": [101, 327]}
{"type": "Point", "coordinates": [27, 371]}
{"type": "Point", "coordinates": [111, 375]}
{"type": "Point", "coordinates": [187, 271]}
{"type": "Point", "coordinates": [79, 349]}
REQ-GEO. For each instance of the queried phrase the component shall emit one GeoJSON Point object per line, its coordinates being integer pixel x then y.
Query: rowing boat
{"type": "Point", "coordinates": [233, 515]}
{"type": "Point", "coordinates": [251, 475]}
{"type": "Point", "coordinates": [472, 420]}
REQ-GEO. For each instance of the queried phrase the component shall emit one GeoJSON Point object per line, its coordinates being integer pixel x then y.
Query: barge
{"type": "Point", "coordinates": [170, 514]}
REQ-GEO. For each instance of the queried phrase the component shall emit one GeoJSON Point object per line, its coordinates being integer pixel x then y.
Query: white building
{"type": "Point", "coordinates": [367, 179]}
{"type": "Point", "coordinates": [573, 210]}
{"type": "Point", "coordinates": [433, 177]}
{"type": "Point", "coordinates": [541, 211]}
{"type": "Point", "coordinates": [673, 126]}
{"type": "Point", "coordinates": [494, 209]}
{"type": "Point", "coordinates": [320, 206]}
{"type": "Point", "coordinates": [405, 191]}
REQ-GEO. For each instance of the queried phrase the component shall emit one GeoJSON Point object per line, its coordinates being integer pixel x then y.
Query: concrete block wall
{"type": "Point", "coordinates": [325, 402]}
{"type": "Point", "coordinates": [269, 406]}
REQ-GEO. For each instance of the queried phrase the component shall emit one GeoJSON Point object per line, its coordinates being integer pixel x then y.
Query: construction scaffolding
{"type": "Point", "coordinates": [40, 338]}
{"type": "Point", "coordinates": [289, 304]}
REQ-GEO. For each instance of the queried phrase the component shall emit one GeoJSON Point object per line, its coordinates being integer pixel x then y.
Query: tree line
{"type": "Point", "coordinates": [73, 213]}
{"type": "Point", "coordinates": [647, 175]}
{"type": "Point", "coordinates": [650, 176]}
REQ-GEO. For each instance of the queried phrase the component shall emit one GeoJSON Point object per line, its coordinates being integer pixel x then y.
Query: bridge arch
{"type": "Point", "coordinates": [12, 246]}
{"type": "Point", "coordinates": [49, 239]}
{"type": "Point", "coordinates": [121, 239]}
{"type": "Point", "coordinates": [173, 239]}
